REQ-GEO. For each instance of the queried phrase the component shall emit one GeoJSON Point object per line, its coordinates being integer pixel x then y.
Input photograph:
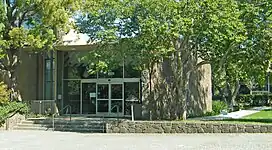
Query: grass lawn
{"type": "Point", "coordinates": [264, 116]}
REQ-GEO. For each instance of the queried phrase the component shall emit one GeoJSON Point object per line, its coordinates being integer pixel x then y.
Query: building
{"type": "Point", "coordinates": [56, 80]}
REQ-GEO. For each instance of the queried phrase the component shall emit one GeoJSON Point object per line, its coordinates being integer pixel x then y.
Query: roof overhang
{"type": "Point", "coordinates": [68, 48]}
{"type": "Point", "coordinates": [76, 47]}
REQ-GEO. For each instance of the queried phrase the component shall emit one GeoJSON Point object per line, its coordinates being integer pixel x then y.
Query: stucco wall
{"type": "Point", "coordinates": [159, 102]}
{"type": "Point", "coordinates": [201, 91]}
{"type": "Point", "coordinates": [27, 77]}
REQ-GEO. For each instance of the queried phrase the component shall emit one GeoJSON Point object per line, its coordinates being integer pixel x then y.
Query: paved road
{"type": "Point", "coordinates": [39, 140]}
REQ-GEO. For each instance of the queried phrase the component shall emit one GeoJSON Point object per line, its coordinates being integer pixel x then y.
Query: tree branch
{"type": "Point", "coordinates": [204, 62]}
{"type": "Point", "coordinates": [26, 14]}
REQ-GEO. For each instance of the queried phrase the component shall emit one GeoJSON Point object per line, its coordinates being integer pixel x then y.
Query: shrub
{"type": "Point", "coordinates": [218, 106]}
{"type": "Point", "coordinates": [4, 94]}
{"type": "Point", "coordinates": [253, 100]}
{"type": "Point", "coordinates": [11, 108]}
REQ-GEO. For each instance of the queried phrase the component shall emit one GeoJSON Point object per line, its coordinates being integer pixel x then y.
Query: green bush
{"type": "Point", "coordinates": [4, 94]}
{"type": "Point", "coordinates": [253, 100]}
{"type": "Point", "coordinates": [8, 109]}
{"type": "Point", "coordinates": [218, 106]}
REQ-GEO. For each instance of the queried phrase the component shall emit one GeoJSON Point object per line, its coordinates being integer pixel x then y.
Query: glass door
{"type": "Point", "coordinates": [103, 98]}
{"type": "Point", "coordinates": [88, 98]}
{"type": "Point", "coordinates": [116, 98]}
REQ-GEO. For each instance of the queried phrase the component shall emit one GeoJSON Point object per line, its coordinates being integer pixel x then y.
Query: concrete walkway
{"type": "Point", "coordinates": [41, 140]}
{"type": "Point", "coordinates": [238, 114]}
{"type": "Point", "coordinates": [234, 115]}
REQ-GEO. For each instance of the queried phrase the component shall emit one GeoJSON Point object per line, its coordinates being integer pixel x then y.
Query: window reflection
{"type": "Point", "coordinates": [116, 91]}
{"type": "Point", "coordinates": [74, 69]}
{"type": "Point", "coordinates": [71, 91]}
{"type": "Point", "coordinates": [132, 93]}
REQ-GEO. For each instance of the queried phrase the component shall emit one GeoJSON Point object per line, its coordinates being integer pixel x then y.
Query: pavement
{"type": "Point", "coordinates": [42, 140]}
{"type": "Point", "coordinates": [233, 115]}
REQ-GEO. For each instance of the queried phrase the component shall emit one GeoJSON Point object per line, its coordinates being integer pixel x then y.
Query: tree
{"type": "Point", "coordinates": [30, 23]}
{"type": "Point", "coordinates": [247, 60]}
{"type": "Point", "coordinates": [179, 32]}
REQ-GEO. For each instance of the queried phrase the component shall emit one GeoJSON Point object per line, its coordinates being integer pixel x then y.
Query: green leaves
{"type": "Point", "coordinates": [4, 94]}
{"type": "Point", "coordinates": [229, 33]}
{"type": "Point", "coordinates": [35, 23]}
{"type": "Point", "coordinates": [10, 108]}
{"type": "Point", "coordinates": [154, 25]}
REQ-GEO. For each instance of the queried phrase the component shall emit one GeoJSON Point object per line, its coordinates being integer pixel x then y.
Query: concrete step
{"type": "Point", "coordinates": [61, 122]}
{"type": "Point", "coordinates": [32, 128]}
{"type": "Point", "coordinates": [86, 130]}
{"type": "Point", "coordinates": [63, 125]}
{"type": "Point", "coordinates": [45, 124]}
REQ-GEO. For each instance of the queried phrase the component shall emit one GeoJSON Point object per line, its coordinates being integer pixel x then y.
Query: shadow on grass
{"type": "Point", "coordinates": [264, 120]}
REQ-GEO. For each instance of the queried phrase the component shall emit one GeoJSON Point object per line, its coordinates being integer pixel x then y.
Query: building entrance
{"type": "Point", "coordinates": [102, 97]}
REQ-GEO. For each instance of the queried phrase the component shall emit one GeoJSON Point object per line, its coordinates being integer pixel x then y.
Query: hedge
{"type": "Point", "coordinates": [11, 108]}
{"type": "Point", "coordinates": [253, 100]}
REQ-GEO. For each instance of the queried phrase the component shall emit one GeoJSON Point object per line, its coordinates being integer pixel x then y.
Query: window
{"type": "Point", "coordinates": [49, 78]}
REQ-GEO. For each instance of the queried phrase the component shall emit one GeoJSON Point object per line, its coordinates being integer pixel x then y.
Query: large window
{"type": "Point", "coordinates": [100, 92]}
{"type": "Point", "coordinates": [132, 95]}
{"type": "Point", "coordinates": [74, 69]}
{"type": "Point", "coordinates": [72, 95]}
{"type": "Point", "coordinates": [49, 78]}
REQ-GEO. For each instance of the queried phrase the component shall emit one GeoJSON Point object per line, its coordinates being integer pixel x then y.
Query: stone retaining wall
{"type": "Point", "coordinates": [11, 122]}
{"type": "Point", "coordinates": [182, 127]}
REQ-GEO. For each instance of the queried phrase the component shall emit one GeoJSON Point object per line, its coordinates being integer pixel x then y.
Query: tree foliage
{"type": "Point", "coordinates": [4, 94]}
{"type": "Point", "coordinates": [181, 31]}
{"type": "Point", "coordinates": [30, 23]}
{"type": "Point", "coordinates": [248, 60]}
{"type": "Point", "coordinates": [233, 35]}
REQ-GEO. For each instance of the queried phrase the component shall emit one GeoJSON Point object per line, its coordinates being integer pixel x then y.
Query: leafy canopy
{"type": "Point", "coordinates": [34, 23]}
{"type": "Point", "coordinates": [147, 31]}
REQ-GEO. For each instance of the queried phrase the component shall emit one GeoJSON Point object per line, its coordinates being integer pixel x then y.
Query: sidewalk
{"type": "Point", "coordinates": [233, 115]}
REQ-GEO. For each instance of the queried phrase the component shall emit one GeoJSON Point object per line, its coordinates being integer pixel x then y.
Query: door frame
{"type": "Point", "coordinates": [109, 82]}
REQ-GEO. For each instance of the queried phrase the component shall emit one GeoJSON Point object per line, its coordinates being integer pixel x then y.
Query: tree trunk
{"type": "Point", "coordinates": [12, 83]}
{"type": "Point", "coordinates": [11, 72]}
{"type": "Point", "coordinates": [234, 94]}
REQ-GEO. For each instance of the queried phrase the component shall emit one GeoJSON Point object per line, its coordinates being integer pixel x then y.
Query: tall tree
{"type": "Point", "coordinates": [248, 60]}
{"type": "Point", "coordinates": [159, 30]}
{"type": "Point", "coordinates": [30, 23]}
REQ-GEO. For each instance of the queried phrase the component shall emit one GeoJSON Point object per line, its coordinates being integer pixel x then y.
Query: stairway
{"type": "Point", "coordinates": [93, 125]}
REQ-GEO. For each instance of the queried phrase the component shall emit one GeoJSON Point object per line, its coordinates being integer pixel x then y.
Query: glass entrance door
{"type": "Point", "coordinates": [116, 98]}
{"type": "Point", "coordinates": [88, 98]}
{"type": "Point", "coordinates": [110, 98]}
{"type": "Point", "coordinates": [103, 98]}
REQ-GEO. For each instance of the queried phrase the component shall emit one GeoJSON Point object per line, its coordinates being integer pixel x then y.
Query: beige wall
{"type": "Point", "coordinates": [201, 91]}
{"type": "Point", "coordinates": [160, 103]}
{"type": "Point", "coordinates": [30, 81]}
{"type": "Point", "coordinates": [27, 76]}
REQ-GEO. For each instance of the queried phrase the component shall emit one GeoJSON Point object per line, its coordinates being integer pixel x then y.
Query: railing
{"type": "Point", "coordinates": [118, 108]}
{"type": "Point", "coordinates": [132, 107]}
{"type": "Point", "coordinates": [53, 116]}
